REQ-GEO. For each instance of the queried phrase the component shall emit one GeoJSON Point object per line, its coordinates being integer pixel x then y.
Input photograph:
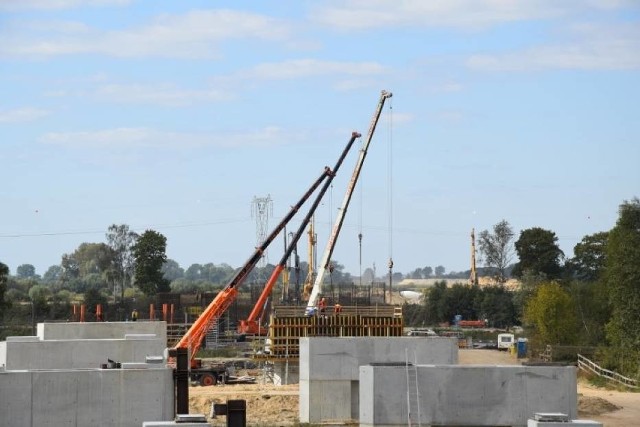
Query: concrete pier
{"type": "Point", "coordinates": [464, 395]}
{"type": "Point", "coordinates": [329, 369]}
{"type": "Point", "coordinates": [53, 379]}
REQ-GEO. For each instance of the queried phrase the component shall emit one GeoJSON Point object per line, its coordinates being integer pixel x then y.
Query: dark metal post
{"type": "Point", "coordinates": [182, 380]}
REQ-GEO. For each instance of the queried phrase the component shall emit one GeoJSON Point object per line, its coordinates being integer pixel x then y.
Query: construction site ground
{"type": "Point", "coordinates": [271, 405]}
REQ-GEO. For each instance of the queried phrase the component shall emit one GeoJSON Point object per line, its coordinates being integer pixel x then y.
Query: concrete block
{"type": "Point", "coordinates": [100, 330]}
{"type": "Point", "coordinates": [3, 353]}
{"type": "Point", "coordinates": [327, 401]}
{"type": "Point", "coordinates": [104, 397]}
{"type": "Point", "coordinates": [173, 424]}
{"type": "Point", "coordinates": [23, 339]}
{"type": "Point", "coordinates": [580, 423]}
{"type": "Point", "coordinates": [465, 395]}
{"type": "Point", "coordinates": [340, 358]}
{"type": "Point", "coordinates": [140, 337]}
{"type": "Point", "coordinates": [78, 354]}
{"type": "Point", "coordinates": [329, 369]}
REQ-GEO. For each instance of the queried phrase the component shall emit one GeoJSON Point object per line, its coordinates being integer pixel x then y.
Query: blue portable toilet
{"type": "Point", "coordinates": [522, 347]}
{"type": "Point", "coordinates": [456, 319]}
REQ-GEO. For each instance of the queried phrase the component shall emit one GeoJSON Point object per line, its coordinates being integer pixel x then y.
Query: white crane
{"type": "Point", "coordinates": [337, 225]}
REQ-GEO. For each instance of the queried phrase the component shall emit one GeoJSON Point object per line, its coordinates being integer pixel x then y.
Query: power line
{"type": "Point", "coordinates": [145, 227]}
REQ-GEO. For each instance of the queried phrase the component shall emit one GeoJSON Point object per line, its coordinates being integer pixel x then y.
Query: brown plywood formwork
{"type": "Point", "coordinates": [289, 323]}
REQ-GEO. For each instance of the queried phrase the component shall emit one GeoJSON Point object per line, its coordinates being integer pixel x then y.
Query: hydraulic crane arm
{"type": "Point", "coordinates": [251, 326]}
{"type": "Point", "coordinates": [194, 336]}
{"type": "Point", "coordinates": [337, 226]}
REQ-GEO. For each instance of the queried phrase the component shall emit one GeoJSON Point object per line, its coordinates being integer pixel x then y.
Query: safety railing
{"type": "Point", "coordinates": [589, 366]}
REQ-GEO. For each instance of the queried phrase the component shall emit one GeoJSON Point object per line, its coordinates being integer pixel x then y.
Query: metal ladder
{"type": "Point", "coordinates": [413, 392]}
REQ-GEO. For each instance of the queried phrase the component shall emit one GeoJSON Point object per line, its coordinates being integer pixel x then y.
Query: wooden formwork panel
{"type": "Point", "coordinates": [285, 332]}
{"type": "Point", "coordinates": [373, 310]}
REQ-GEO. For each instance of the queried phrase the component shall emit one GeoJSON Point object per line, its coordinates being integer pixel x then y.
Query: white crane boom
{"type": "Point", "coordinates": [337, 225]}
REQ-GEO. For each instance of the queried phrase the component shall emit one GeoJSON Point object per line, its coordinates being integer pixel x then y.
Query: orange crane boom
{"type": "Point", "coordinates": [251, 326]}
{"type": "Point", "coordinates": [192, 339]}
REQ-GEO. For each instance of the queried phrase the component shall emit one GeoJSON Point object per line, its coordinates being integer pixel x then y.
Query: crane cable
{"type": "Point", "coordinates": [390, 195]}
{"type": "Point", "coordinates": [360, 227]}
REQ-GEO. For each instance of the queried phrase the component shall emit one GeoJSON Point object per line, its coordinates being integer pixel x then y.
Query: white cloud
{"type": "Point", "coordinates": [592, 48]}
{"type": "Point", "coordinates": [57, 4]}
{"type": "Point", "coordinates": [364, 14]}
{"type": "Point", "coordinates": [465, 14]}
{"type": "Point", "coordinates": [136, 138]}
{"type": "Point", "coordinates": [302, 68]}
{"type": "Point", "coordinates": [195, 34]}
{"type": "Point", "coordinates": [164, 94]}
{"type": "Point", "coordinates": [448, 86]}
{"type": "Point", "coordinates": [20, 115]}
{"type": "Point", "coordinates": [402, 118]}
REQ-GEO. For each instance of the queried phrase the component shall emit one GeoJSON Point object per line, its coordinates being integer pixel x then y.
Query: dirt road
{"type": "Point", "coordinates": [278, 405]}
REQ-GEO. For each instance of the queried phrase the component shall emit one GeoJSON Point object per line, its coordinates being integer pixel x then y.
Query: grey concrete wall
{"type": "Point", "coordinates": [31, 353]}
{"type": "Point", "coordinates": [102, 397]}
{"type": "Point", "coordinates": [329, 369]}
{"type": "Point", "coordinates": [3, 353]}
{"type": "Point", "coordinates": [466, 395]}
{"type": "Point", "coordinates": [100, 330]}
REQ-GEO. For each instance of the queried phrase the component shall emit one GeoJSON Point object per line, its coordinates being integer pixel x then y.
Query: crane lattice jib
{"type": "Point", "coordinates": [193, 337]}
{"type": "Point", "coordinates": [257, 308]}
{"type": "Point", "coordinates": [337, 226]}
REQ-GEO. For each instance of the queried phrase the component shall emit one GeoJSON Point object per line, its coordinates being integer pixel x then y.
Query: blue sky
{"type": "Point", "coordinates": [173, 116]}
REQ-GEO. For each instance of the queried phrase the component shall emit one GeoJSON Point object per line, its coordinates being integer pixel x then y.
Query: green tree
{"type": "Point", "coordinates": [4, 275]}
{"type": "Point", "coordinates": [434, 300]}
{"type": "Point", "coordinates": [497, 307]}
{"type": "Point", "coordinates": [538, 252]}
{"type": "Point", "coordinates": [26, 271]}
{"type": "Point", "coordinates": [150, 255]}
{"type": "Point", "coordinates": [194, 272]}
{"type": "Point", "coordinates": [39, 295]}
{"type": "Point", "coordinates": [589, 257]}
{"type": "Point", "coordinates": [593, 310]}
{"type": "Point", "coordinates": [529, 283]}
{"type": "Point", "coordinates": [427, 272]}
{"type": "Point", "coordinates": [439, 271]}
{"type": "Point", "coordinates": [53, 274]}
{"type": "Point", "coordinates": [623, 284]}
{"type": "Point", "coordinates": [461, 300]}
{"type": "Point", "coordinates": [171, 270]}
{"type": "Point", "coordinates": [552, 315]}
{"type": "Point", "coordinates": [496, 249]}
{"type": "Point", "coordinates": [121, 240]}
{"type": "Point", "coordinates": [416, 274]}
{"type": "Point", "coordinates": [93, 297]}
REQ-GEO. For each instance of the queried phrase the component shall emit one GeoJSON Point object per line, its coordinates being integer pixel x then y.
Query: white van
{"type": "Point", "coordinates": [505, 341]}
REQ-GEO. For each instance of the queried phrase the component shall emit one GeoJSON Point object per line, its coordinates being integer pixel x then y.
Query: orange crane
{"type": "Point", "coordinates": [192, 339]}
{"type": "Point", "coordinates": [251, 326]}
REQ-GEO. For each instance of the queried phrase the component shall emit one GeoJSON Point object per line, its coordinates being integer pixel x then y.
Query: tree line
{"type": "Point", "coordinates": [589, 299]}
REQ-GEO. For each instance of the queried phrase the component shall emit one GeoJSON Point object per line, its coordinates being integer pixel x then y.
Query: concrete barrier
{"type": "Point", "coordinates": [102, 397]}
{"type": "Point", "coordinates": [464, 395]}
{"type": "Point", "coordinates": [77, 354]}
{"type": "Point", "coordinates": [100, 330]}
{"type": "Point", "coordinates": [329, 369]}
